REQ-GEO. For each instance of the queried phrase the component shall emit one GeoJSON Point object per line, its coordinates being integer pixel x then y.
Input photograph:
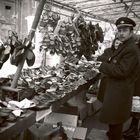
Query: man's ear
{"type": "Point", "coordinates": [131, 32]}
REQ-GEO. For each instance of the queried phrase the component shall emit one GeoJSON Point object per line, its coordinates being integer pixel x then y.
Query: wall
{"type": "Point", "coordinates": [13, 15]}
{"type": "Point", "coordinates": [28, 9]}
{"type": "Point", "coordinates": [7, 17]}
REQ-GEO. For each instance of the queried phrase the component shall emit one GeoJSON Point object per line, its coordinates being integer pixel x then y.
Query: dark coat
{"type": "Point", "coordinates": [137, 87]}
{"type": "Point", "coordinates": [120, 70]}
{"type": "Point", "coordinates": [137, 83]}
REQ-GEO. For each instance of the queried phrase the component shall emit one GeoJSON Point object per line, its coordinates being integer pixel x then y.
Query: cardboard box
{"type": "Point", "coordinates": [80, 133]}
{"type": "Point", "coordinates": [97, 134]}
{"type": "Point", "coordinates": [66, 119]}
{"type": "Point", "coordinates": [66, 109]}
{"type": "Point", "coordinates": [79, 101]}
{"type": "Point", "coordinates": [69, 122]}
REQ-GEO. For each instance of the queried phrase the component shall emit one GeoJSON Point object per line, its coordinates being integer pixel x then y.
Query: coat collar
{"type": "Point", "coordinates": [123, 46]}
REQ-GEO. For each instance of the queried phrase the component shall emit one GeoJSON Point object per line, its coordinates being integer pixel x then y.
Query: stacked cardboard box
{"type": "Point", "coordinates": [69, 122]}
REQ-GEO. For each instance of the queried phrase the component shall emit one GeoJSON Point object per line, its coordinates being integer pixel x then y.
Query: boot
{"type": "Point", "coordinates": [133, 129]}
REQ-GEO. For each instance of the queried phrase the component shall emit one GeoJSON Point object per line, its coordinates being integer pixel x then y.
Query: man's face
{"type": "Point", "coordinates": [124, 33]}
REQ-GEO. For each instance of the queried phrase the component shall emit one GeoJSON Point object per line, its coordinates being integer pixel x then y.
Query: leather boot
{"type": "Point", "coordinates": [133, 129]}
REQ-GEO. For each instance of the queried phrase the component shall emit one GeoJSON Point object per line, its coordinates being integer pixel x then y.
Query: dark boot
{"type": "Point", "coordinates": [133, 129]}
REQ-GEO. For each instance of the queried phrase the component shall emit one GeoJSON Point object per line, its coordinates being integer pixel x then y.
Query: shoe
{"type": "Point", "coordinates": [131, 134]}
{"type": "Point", "coordinates": [108, 133]}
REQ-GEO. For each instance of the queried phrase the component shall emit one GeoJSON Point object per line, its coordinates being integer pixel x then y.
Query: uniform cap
{"type": "Point", "coordinates": [125, 22]}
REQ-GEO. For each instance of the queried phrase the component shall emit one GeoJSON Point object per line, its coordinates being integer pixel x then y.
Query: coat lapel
{"type": "Point", "coordinates": [121, 47]}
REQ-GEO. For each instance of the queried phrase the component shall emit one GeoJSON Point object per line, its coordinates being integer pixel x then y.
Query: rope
{"type": "Point", "coordinates": [130, 7]}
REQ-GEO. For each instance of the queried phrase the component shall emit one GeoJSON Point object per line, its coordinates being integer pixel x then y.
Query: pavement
{"type": "Point", "coordinates": [96, 129]}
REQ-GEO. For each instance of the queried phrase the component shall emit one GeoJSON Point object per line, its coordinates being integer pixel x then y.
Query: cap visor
{"type": "Point", "coordinates": [124, 25]}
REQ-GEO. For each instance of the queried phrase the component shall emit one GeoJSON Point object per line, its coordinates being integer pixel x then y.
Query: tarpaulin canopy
{"type": "Point", "coordinates": [104, 10]}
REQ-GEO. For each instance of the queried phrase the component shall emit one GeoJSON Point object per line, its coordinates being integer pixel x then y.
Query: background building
{"type": "Point", "coordinates": [16, 15]}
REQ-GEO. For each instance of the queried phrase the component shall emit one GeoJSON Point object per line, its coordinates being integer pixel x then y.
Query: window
{"type": "Point", "coordinates": [7, 7]}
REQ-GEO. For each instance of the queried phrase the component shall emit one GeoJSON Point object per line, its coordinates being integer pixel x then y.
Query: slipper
{"type": "Point", "coordinates": [99, 33]}
{"type": "Point", "coordinates": [30, 58]}
{"type": "Point", "coordinates": [17, 56]}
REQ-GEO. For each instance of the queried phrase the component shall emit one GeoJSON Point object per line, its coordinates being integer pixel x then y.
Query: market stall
{"type": "Point", "coordinates": [34, 93]}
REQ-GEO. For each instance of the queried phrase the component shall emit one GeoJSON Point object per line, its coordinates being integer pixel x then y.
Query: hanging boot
{"type": "Point", "coordinates": [4, 56]}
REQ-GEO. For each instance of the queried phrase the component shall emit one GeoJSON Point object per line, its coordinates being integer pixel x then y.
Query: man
{"type": "Point", "coordinates": [134, 130]}
{"type": "Point", "coordinates": [119, 68]}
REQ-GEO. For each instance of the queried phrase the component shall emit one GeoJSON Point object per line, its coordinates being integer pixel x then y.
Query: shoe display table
{"type": "Point", "coordinates": [13, 129]}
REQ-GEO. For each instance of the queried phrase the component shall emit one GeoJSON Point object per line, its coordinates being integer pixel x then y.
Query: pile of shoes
{"type": "Point", "coordinates": [6, 115]}
{"type": "Point", "coordinates": [45, 85]}
{"type": "Point", "coordinates": [53, 83]}
{"type": "Point", "coordinates": [48, 17]}
{"type": "Point", "coordinates": [72, 36]}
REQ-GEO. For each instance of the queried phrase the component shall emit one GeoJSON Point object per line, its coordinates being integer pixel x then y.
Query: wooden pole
{"type": "Point", "coordinates": [30, 37]}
